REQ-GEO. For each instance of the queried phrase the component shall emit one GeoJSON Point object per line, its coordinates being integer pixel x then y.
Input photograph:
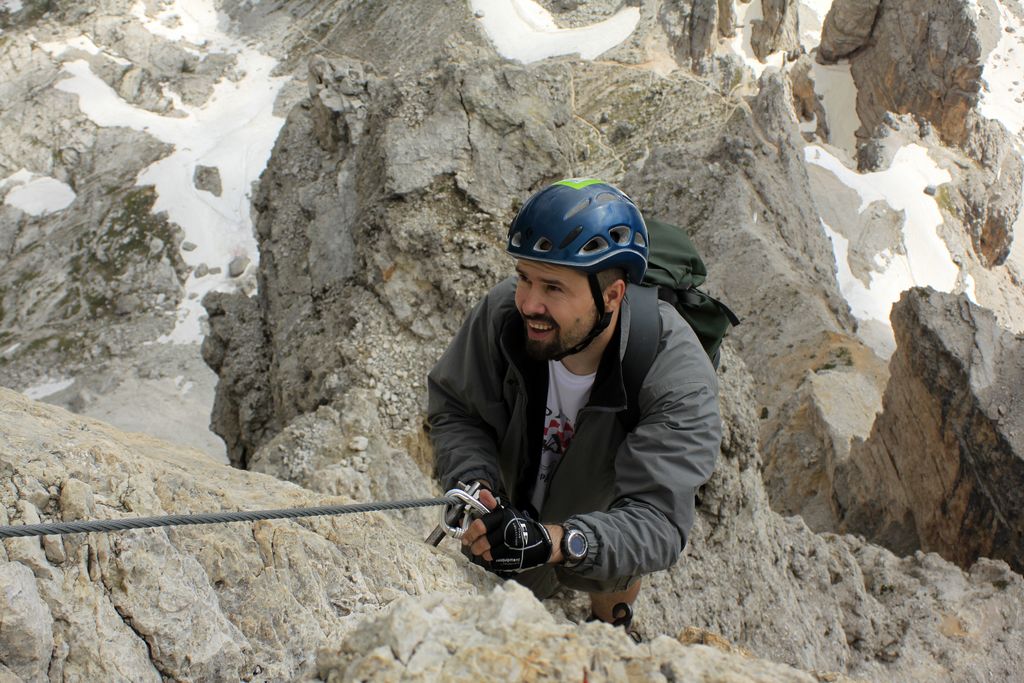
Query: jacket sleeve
{"type": "Point", "coordinates": [659, 466]}
{"type": "Point", "coordinates": [465, 408]}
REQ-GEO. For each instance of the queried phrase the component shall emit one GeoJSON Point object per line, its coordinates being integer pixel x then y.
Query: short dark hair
{"type": "Point", "coordinates": [608, 276]}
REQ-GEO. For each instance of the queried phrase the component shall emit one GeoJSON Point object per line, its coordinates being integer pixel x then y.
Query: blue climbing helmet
{"type": "Point", "coordinates": [582, 223]}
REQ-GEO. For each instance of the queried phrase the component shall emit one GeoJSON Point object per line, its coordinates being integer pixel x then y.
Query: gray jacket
{"type": "Point", "coordinates": [632, 494]}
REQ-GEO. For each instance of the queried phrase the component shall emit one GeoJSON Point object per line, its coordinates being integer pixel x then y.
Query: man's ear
{"type": "Point", "coordinates": [613, 294]}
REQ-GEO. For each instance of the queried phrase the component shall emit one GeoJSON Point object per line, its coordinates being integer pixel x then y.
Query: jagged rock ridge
{"type": "Point", "coordinates": [259, 601]}
{"type": "Point", "coordinates": [943, 465]}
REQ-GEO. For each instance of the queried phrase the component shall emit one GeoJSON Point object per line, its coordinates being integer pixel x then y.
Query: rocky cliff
{"type": "Point", "coordinates": [408, 143]}
{"type": "Point", "coordinates": [316, 598]}
{"type": "Point", "coordinates": [939, 470]}
{"type": "Point", "coordinates": [427, 185]}
{"type": "Point", "coordinates": [222, 602]}
{"type": "Point", "coordinates": [926, 59]}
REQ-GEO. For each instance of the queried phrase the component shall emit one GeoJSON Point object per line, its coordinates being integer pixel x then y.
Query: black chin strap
{"type": "Point", "coordinates": [604, 318]}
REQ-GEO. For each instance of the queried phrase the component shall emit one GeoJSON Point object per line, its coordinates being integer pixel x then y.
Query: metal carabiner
{"type": "Point", "coordinates": [472, 509]}
{"type": "Point", "coordinates": [464, 512]}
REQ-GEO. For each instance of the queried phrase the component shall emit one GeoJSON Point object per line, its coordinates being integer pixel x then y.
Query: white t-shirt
{"type": "Point", "coordinates": [567, 393]}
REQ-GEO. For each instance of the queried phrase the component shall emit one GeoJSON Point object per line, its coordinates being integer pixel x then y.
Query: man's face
{"type": "Point", "coordinates": [556, 305]}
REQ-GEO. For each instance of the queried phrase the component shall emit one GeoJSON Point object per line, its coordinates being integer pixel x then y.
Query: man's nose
{"type": "Point", "coordinates": [532, 304]}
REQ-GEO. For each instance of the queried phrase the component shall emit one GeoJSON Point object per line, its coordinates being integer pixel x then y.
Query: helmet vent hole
{"type": "Point", "coordinates": [620, 234]}
{"type": "Point", "coordinates": [576, 209]}
{"type": "Point", "coordinates": [594, 246]}
{"type": "Point", "coordinates": [573, 234]}
{"type": "Point", "coordinates": [517, 240]}
{"type": "Point", "coordinates": [606, 197]}
{"type": "Point", "coordinates": [543, 245]}
{"type": "Point", "coordinates": [638, 240]}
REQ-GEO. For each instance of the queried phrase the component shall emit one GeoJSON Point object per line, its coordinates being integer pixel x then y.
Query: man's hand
{"type": "Point", "coordinates": [507, 540]}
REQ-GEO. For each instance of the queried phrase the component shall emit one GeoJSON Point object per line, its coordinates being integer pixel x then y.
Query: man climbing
{"type": "Point", "coordinates": [530, 399]}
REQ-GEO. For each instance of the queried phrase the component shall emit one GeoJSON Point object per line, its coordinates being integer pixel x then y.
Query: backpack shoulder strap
{"type": "Point", "coordinates": [641, 348]}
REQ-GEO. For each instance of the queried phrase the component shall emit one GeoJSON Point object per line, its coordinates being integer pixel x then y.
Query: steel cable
{"type": "Point", "coordinates": [87, 526]}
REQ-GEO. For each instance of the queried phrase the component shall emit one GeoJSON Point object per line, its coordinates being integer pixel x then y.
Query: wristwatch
{"type": "Point", "coordinates": [574, 546]}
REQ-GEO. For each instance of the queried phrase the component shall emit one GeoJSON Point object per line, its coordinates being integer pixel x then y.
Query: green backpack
{"type": "Point", "coordinates": [674, 273]}
{"type": "Point", "coordinates": [676, 269]}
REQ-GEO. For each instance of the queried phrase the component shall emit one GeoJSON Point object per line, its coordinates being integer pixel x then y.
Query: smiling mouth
{"type": "Point", "coordinates": [539, 328]}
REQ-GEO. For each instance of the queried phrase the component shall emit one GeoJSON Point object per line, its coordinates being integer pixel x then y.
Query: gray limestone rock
{"type": "Point", "coordinates": [242, 410]}
{"type": "Point", "coordinates": [269, 598]}
{"type": "Point", "coordinates": [924, 58]}
{"type": "Point", "coordinates": [90, 276]}
{"type": "Point", "coordinates": [988, 199]}
{"type": "Point", "coordinates": [726, 18]}
{"type": "Point", "coordinates": [207, 178]}
{"type": "Point", "coordinates": [744, 196]}
{"type": "Point", "coordinates": [26, 630]}
{"type": "Point", "coordinates": [939, 469]}
{"type": "Point", "coordinates": [779, 30]}
{"type": "Point", "coordinates": [692, 27]}
{"type": "Point", "coordinates": [806, 102]}
{"type": "Point", "coordinates": [508, 635]}
{"type": "Point", "coordinates": [846, 29]}
{"type": "Point", "coordinates": [238, 601]}
{"type": "Point", "coordinates": [24, 12]}
{"type": "Point", "coordinates": [237, 266]}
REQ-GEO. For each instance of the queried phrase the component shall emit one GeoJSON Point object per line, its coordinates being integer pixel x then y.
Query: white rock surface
{"type": "Point", "coordinates": [507, 635]}
{"type": "Point", "coordinates": [204, 602]}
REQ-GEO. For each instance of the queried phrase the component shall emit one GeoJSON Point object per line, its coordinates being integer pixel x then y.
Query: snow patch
{"type": "Point", "coordinates": [234, 131]}
{"type": "Point", "coordinates": [36, 195]}
{"type": "Point", "coordinates": [11, 6]}
{"type": "Point", "coordinates": [970, 289]}
{"type": "Point", "coordinates": [838, 91]}
{"type": "Point", "coordinates": [524, 31]}
{"type": "Point", "coordinates": [1003, 97]}
{"type": "Point", "coordinates": [926, 261]}
{"type": "Point", "coordinates": [196, 21]}
{"type": "Point", "coordinates": [48, 388]}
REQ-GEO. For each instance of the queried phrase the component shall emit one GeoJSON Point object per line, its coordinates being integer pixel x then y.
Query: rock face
{"type": "Point", "coordinates": [217, 602]}
{"type": "Point", "coordinates": [943, 467]}
{"type": "Point", "coordinates": [779, 30]}
{"type": "Point", "coordinates": [846, 29]}
{"type": "Point", "coordinates": [819, 601]}
{"type": "Point", "coordinates": [509, 636]}
{"type": "Point", "coordinates": [260, 601]}
{"type": "Point", "coordinates": [26, 634]}
{"type": "Point", "coordinates": [988, 197]}
{"type": "Point", "coordinates": [85, 287]}
{"type": "Point", "coordinates": [693, 27]}
{"type": "Point", "coordinates": [925, 58]}
{"type": "Point", "coordinates": [406, 198]}
{"type": "Point", "coordinates": [242, 409]}
{"type": "Point", "coordinates": [380, 221]}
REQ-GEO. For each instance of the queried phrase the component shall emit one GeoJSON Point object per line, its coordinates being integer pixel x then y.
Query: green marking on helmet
{"type": "Point", "coordinates": [580, 183]}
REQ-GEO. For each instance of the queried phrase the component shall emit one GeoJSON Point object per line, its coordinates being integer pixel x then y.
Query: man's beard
{"type": "Point", "coordinates": [559, 343]}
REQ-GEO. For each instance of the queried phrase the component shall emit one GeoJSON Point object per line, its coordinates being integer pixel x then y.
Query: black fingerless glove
{"type": "Point", "coordinates": [517, 541]}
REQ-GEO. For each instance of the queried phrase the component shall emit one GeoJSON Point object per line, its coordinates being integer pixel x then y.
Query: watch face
{"type": "Point", "coordinates": [577, 545]}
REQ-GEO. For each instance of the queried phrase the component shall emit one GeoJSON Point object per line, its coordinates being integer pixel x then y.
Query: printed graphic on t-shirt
{"type": "Point", "coordinates": [558, 433]}
{"type": "Point", "coordinates": [567, 394]}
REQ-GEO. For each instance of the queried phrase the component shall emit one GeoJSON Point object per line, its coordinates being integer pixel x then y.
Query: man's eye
{"type": "Point", "coordinates": [554, 288]}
